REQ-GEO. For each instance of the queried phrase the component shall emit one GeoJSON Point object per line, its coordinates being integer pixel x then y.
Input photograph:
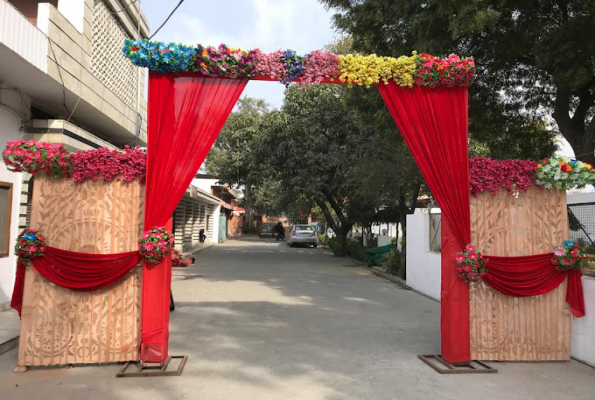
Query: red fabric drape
{"type": "Point", "coordinates": [434, 124]}
{"type": "Point", "coordinates": [531, 276]}
{"type": "Point", "coordinates": [76, 271]}
{"type": "Point", "coordinates": [186, 113]}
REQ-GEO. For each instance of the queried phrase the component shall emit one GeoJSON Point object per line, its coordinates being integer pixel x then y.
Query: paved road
{"type": "Point", "coordinates": [262, 321]}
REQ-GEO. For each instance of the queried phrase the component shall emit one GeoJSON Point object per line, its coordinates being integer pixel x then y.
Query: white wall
{"type": "Point", "coordinates": [577, 198]}
{"type": "Point", "coordinates": [205, 184]}
{"type": "Point", "coordinates": [74, 12]}
{"type": "Point", "coordinates": [583, 329]}
{"type": "Point", "coordinates": [423, 265]}
{"type": "Point", "coordinates": [9, 130]}
{"type": "Point", "coordinates": [215, 238]}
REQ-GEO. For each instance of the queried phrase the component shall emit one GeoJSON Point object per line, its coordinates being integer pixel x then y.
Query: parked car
{"type": "Point", "coordinates": [302, 234]}
{"type": "Point", "coordinates": [266, 230]}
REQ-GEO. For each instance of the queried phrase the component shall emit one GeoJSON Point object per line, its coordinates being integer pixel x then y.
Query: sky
{"type": "Point", "coordinates": [300, 25]}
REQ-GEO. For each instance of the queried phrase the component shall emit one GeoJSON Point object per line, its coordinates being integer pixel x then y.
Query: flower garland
{"type": "Point", "coordinates": [287, 66]}
{"type": "Point", "coordinates": [156, 244]}
{"type": "Point", "coordinates": [37, 157]}
{"type": "Point", "coordinates": [294, 66]}
{"type": "Point", "coordinates": [225, 61]}
{"type": "Point", "coordinates": [371, 70]}
{"type": "Point", "coordinates": [450, 72]}
{"type": "Point", "coordinates": [30, 244]}
{"type": "Point", "coordinates": [471, 266]}
{"type": "Point", "coordinates": [490, 175]}
{"type": "Point", "coordinates": [160, 57]}
{"type": "Point", "coordinates": [564, 173]}
{"type": "Point", "coordinates": [568, 256]}
{"type": "Point", "coordinates": [55, 161]}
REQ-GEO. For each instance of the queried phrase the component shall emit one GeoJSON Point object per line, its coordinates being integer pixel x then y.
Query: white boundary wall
{"type": "Point", "coordinates": [423, 265]}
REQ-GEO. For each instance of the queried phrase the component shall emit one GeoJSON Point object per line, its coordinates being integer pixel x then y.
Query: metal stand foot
{"type": "Point", "coordinates": [152, 369]}
{"type": "Point", "coordinates": [442, 366]}
{"type": "Point", "coordinates": [19, 369]}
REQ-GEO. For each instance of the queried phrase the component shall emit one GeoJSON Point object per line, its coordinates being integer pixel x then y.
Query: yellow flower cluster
{"type": "Point", "coordinates": [370, 70]}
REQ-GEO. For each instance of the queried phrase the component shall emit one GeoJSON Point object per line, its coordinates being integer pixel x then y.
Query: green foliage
{"type": "Point", "coordinates": [392, 261]}
{"type": "Point", "coordinates": [323, 240]}
{"type": "Point", "coordinates": [355, 249]}
{"type": "Point", "coordinates": [534, 60]}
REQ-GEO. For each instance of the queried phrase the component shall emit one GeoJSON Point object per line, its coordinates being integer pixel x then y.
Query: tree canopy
{"type": "Point", "coordinates": [535, 62]}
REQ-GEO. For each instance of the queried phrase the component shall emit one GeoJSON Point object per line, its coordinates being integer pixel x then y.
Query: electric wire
{"type": "Point", "coordinates": [167, 19]}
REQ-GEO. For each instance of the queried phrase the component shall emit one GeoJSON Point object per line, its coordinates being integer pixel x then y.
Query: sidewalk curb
{"type": "Point", "coordinates": [9, 345]}
{"type": "Point", "coordinates": [394, 279]}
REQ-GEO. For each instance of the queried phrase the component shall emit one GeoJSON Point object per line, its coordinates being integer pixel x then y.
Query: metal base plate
{"type": "Point", "coordinates": [152, 369]}
{"type": "Point", "coordinates": [441, 366]}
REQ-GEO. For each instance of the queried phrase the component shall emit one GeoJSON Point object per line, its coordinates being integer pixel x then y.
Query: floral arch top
{"type": "Point", "coordinates": [316, 67]}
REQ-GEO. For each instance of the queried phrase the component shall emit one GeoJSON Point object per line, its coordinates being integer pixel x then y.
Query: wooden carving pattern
{"type": "Point", "coordinates": [61, 326]}
{"type": "Point", "coordinates": [519, 328]}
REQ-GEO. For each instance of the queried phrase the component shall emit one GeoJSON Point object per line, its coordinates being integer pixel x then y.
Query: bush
{"type": "Point", "coordinates": [392, 260]}
{"type": "Point", "coordinates": [373, 242]}
{"type": "Point", "coordinates": [322, 240]}
{"type": "Point", "coordinates": [331, 241]}
{"type": "Point", "coordinates": [355, 249]}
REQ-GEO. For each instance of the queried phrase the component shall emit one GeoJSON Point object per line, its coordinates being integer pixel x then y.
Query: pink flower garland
{"type": "Point", "coordinates": [319, 65]}
{"type": "Point", "coordinates": [269, 64]}
{"type": "Point", "coordinates": [491, 175]}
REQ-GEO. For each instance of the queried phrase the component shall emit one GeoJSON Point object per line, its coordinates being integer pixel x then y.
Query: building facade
{"type": "Point", "coordinates": [64, 79]}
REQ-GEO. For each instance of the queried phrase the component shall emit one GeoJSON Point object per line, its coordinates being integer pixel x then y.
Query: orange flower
{"type": "Point", "coordinates": [539, 166]}
{"type": "Point", "coordinates": [203, 65]}
{"type": "Point", "coordinates": [561, 162]}
{"type": "Point", "coordinates": [205, 53]}
{"type": "Point", "coordinates": [588, 166]}
{"type": "Point", "coordinates": [565, 167]}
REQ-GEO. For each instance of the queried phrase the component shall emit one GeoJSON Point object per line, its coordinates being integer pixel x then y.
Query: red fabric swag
{"type": "Point", "coordinates": [534, 275]}
{"type": "Point", "coordinates": [76, 271]}
{"type": "Point", "coordinates": [186, 113]}
{"type": "Point", "coordinates": [434, 125]}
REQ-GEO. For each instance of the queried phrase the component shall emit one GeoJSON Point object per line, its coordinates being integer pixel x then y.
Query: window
{"type": "Point", "coordinates": [5, 211]}
{"type": "Point", "coordinates": [435, 232]}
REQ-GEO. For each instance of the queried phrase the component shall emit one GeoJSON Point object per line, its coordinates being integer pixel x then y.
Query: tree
{"type": "Point", "coordinates": [232, 156]}
{"type": "Point", "coordinates": [386, 174]}
{"type": "Point", "coordinates": [309, 144]}
{"type": "Point", "coordinates": [534, 59]}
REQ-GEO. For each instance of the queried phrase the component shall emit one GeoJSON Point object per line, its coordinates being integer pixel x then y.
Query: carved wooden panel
{"type": "Point", "coordinates": [519, 328]}
{"type": "Point", "coordinates": [61, 326]}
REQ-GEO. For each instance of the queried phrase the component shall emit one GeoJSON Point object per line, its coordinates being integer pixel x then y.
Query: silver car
{"type": "Point", "coordinates": [302, 234]}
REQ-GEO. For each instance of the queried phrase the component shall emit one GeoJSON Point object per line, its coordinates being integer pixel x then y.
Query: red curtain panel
{"type": "Point", "coordinates": [434, 124]}
{"type": "Point", "coordinates": [186, 113]}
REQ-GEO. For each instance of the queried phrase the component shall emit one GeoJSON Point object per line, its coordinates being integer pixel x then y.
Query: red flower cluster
{"type": "Point", "coordinates": [53, 160]}
{"type": "Point", "coordinates": [37, 157]}
{"type": "Point", "coordinates": [156, 244]}
{"type": "Point", "coordinates": [450, 72]}
{"type": "Point", "coordinates": [568, 256]}
{"type": "Point", "coordinates": [30, 245]}
{"type": "Point", "coordinates": [108, 165]}
{"type": "Point", "coordinates": [471, 266]}
{"type": "Point", "coordinates": [513, 175]}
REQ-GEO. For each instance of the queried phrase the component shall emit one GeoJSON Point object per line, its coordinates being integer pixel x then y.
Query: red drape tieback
{"type": "Point", "coordinates": [76, 271]}
{"type": "Point", "coordinates": [532, 276]}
